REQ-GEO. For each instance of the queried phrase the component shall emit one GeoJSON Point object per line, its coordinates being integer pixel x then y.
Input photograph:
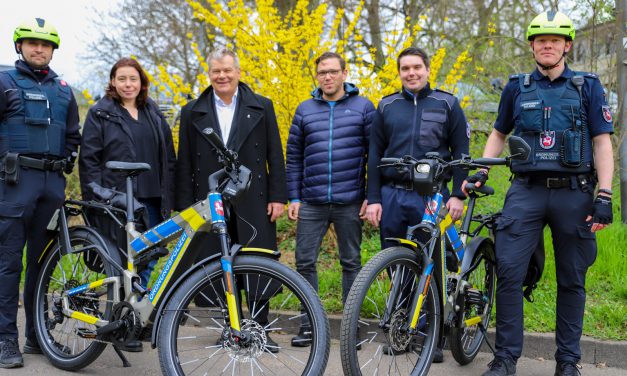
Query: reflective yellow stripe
{"type": "Point", "coordinates": [405, 241]}
{"type": "Point", "coordinates": [95, 284]}
{"type": "Point", "coordinates": [446, 222]}
{"type": "Point", "coordinates": [83, 317]}
{"type": "Point", "coordinates": [169, 275]}
{"type": "Point", "coordinates": [192, 217]}
{"type": "Point", "coordinates": [233, 314]}
{"type": "Point", "coordinates": [130, 266]}
{"type": "Point", "coordinates": [473, 321]}
{"type": "Point", "coordinates": [414, 320]}
{"type": "Point", "coordinates": [252, 249]}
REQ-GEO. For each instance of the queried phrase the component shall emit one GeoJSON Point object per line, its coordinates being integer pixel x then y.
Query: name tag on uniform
{"type": "Point", "coordinates": [35, 96]}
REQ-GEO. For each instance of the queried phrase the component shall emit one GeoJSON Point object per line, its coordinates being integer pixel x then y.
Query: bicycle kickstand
{"type": "Point", "coordinates": [485, 338]}
{"type": "Point", "coordinates": [125, 362]}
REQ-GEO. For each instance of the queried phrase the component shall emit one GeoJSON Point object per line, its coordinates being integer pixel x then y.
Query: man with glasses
{"type": "Point", "coordinates": [326, 167]}
{"type": "Point", "coordinates": [415, 121]}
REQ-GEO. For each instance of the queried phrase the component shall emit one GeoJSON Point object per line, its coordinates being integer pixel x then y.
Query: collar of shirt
{"type": "Point", "coordinates": [219, 102]}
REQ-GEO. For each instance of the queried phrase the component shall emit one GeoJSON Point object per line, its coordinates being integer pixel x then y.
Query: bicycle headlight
{"type": "Point", "coordinates": [424, 176]}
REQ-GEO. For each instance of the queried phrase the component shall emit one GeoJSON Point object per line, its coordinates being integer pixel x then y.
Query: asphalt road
{"type": "Point", "coordinates": [147, 363]}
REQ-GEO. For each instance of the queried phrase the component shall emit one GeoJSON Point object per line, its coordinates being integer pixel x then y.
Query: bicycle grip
{"type": "Point", "coordinates": [212, 137]}
{"type": "Point", "coordinates": [389, 160]}
{"type": "Point", "coordinates": [490, 161]}
{"type": "Point", "coordinates": [485, 189]}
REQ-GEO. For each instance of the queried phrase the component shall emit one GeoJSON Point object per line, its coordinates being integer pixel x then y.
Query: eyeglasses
{"type": "Point", "coordinates": [333, 73]}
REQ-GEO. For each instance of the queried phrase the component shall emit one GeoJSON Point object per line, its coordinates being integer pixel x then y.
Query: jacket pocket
{"type": "Point", "coordinates": [531, 116]}
{"type": "Point", "coordinates": [432, 127]}
{"type": "Point", "coordinates": [36, 108]}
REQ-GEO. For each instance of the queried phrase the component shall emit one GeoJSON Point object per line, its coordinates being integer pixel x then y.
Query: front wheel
{"type": "Point", "coordinates": [67, 342]}
{"type": "Point", "coordinates": [280, 314]}
{"type": "Point", "coordinates": [373, 337]}
{"type": "Point", "coordinates": [466, 337]}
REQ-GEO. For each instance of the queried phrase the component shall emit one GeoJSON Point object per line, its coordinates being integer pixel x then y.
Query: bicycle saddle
{"type": "Point", "coordinates": [128, 168]}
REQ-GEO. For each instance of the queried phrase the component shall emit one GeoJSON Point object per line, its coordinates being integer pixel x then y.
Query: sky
{"type": "Point", "coordinates": [70, 17]}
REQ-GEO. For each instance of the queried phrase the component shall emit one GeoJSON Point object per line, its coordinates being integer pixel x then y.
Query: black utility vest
{"type": "Point", "coordinates": [549, 119]}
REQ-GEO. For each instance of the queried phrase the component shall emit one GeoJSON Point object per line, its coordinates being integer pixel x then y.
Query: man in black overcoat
{"type": "Point", "coordinates": [247, 124]}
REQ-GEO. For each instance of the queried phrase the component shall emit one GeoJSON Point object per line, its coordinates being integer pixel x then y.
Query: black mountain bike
{"type": "Point", "coordinates": [214, 316]}
{"type": "Point", "coordinates": [394, 312]}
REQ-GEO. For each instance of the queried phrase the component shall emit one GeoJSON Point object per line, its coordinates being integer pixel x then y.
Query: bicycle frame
{"type": "Point", "coordinates": [205, 215]}
{"type": "Point", "coordinates": [436, 221]}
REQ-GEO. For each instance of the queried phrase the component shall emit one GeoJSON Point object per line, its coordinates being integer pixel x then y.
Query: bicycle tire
{"type": "Point", "coordinates": [63, 353]}
{"type": "Point", "coordinates": [183, 320]}
{"type": "Point", "coordinates": [357, 312]}
{"type": "Point", "coordinates": [466, 341]}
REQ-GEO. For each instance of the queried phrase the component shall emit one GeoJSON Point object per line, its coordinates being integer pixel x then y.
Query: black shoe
{"type": "Point", "coordinates": [567, 369]}
{"type": "Point", "coordinates": [303, 339]}
{"type": "Point", "coordinates": [501, 367]}
{"type": "Point", "coordinates": [438, 355]}
{"type": "Point", "coordinates": [271, 346]}
{"type": "Point", "coordinates": [10, 355]}
{"type": "Point", "coordinates": [32, 347]}
{"type": "Point", "coordinates": [132, 346]}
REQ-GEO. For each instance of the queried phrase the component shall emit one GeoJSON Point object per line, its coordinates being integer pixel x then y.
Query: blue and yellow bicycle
{"type": "Point", "coordinates": [433, 283]}
{"type": "Point", "coordinates": [233, 313]}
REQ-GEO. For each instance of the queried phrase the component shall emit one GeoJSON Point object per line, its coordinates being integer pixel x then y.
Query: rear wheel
{"type": "Point", "coordinates": [194, 337]}
{"type": "Point", "coordinates": [373, 335]}
{"type": "Point", "coordinates": [66, 341]}
{"type": "Point", "coordinates": [466, 337]}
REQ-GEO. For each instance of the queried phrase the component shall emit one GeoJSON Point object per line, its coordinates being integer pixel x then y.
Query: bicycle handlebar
{"type": "Point", "coordinates": [212, 137]}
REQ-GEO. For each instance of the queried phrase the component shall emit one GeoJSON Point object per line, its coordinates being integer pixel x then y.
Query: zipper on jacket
{"type": "Point", "coordinates": [413, 127]}
{"type": "Point", "coordinates": [331, 116]}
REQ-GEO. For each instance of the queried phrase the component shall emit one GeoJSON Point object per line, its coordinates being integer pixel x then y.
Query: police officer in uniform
{"type": "Point", "coordinates": [38, 131]}
{"type": "Point", "coordinates": [414, 121]}
{"type": "Point", "coordinates": [565, 119]}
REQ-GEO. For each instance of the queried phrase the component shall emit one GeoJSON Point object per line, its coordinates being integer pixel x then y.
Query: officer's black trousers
{"type": "Point", "coordinates": [528, 208]}
{"type": "Point", "coordinates": [25, 210]}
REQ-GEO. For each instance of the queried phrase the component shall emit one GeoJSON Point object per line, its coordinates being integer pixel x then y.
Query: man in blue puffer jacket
{"type": "Point", "coordinates": [326, 166]}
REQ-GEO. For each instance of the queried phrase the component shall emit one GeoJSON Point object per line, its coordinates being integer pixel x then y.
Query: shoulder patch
{"type": "Point", "coordinates": [515, 76]}
{"type": "Point", "coordinates": [63, 83]}
{"type": "Point", "coordinates": [607, 113]}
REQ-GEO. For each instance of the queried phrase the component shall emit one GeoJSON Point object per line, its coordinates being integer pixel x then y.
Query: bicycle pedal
{"type": "Point", "coordinates": [86, 333]}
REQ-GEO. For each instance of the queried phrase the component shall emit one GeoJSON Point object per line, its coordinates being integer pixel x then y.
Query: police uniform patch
{"type": "Point", "coordinates": [607, 113]}
{"type": "Point", "coordinates": [547, 139]}
{"type": "Point", "coordinates": [63, 83]}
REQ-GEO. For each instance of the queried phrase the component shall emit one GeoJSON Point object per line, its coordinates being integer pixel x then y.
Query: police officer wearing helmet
{"type": "Point", "coordinates": [564, 117]}
{"type": "Point", "coordinates": [38, 131]}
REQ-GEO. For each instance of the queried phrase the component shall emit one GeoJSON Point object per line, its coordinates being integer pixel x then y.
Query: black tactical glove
{"type": "Point", "coordinates": [602, 210]}
{"type": "Point", "coordinates": [69, 163]}
{"type": "Point", "coordinates": [480, 176]}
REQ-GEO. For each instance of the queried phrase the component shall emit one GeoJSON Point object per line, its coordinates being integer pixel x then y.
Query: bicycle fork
{"type": "Point", "coordinates": [218, 224]}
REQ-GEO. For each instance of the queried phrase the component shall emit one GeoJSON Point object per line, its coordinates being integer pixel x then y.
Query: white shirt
{"type": "Point", "coordinates": [225, 114]}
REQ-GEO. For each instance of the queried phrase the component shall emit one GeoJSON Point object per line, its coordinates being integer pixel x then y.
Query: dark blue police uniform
{"type": "Point", "coordinates": [554, 186]}
{"type": "Point", "coordinates": [412, 124]}
{"type": "Point", "coordinates": [38, 129]}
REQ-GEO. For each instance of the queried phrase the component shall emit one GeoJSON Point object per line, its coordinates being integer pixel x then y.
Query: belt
{"type": "Point", "coordinates": [548, 182]}
{"type": "Point", "coordinates": [42, 164]}
{"type": "Point", "coordinates": [406, 185]}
